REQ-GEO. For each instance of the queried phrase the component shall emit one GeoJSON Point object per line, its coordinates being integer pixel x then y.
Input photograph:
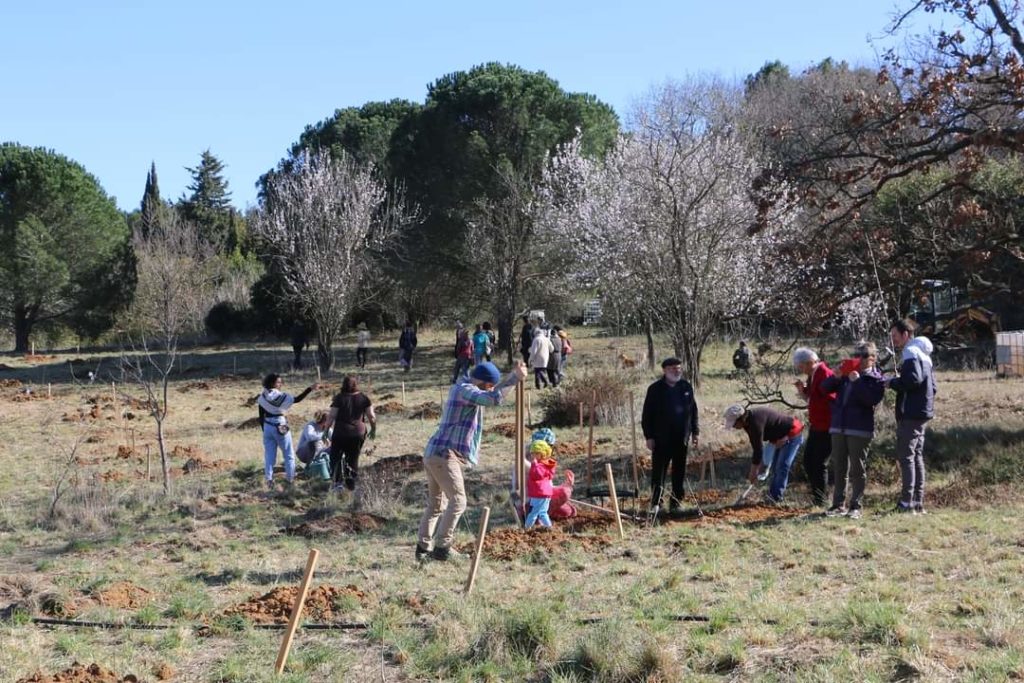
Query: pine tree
{"type": "Point", "coordinates": [209, 204]}
{"type": "Point", "coordinates": [151, 207]}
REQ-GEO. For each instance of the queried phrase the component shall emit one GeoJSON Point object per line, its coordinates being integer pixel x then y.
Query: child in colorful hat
{"type": "Point", "coordinates": [538, 484]}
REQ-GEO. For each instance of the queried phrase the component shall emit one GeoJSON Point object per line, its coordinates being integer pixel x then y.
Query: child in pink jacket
{"type": "Point", "coordinates": [538, 484]}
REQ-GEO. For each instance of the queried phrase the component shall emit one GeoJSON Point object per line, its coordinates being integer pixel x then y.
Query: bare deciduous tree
{"type": "Point", "coordinates": [664, 219]}
{"type": "Point", "coordinates": [177, 274]}
{"type": "Point", "coordinates": [324, 225]}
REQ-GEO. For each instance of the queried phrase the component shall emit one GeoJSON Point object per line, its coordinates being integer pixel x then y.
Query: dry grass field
{"type": "Point", "coordinates": [198, 584]}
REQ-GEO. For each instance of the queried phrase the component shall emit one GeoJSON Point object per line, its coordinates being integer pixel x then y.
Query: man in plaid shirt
{"type": "Point", "coordinates": [455, 445]}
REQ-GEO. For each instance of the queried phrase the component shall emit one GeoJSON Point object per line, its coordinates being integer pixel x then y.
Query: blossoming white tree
{"type": "Point", "coordinates": [324, 225]}
{"type": "Point", "coordinates": [663, 220]}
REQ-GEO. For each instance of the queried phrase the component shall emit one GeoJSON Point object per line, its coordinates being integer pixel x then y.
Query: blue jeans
{"type": "Point", "coordinates": [272, 440]}
{"type": "Point", "coordinates": [538, 510]}
{"type": "Point", "coordinates": [781, 459]}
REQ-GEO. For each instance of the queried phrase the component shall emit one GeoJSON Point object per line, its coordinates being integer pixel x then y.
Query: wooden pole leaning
{"type": "Point", "coordinates": [636, 455]}
{"type": "Point", "coordinates": [521, 430]}
{"type": "Point", "coordinates": [478, 550]}
{"type": "Point", "coordinates": [615, 499]}
{"type": "Point", "coordinates": [293, 620]}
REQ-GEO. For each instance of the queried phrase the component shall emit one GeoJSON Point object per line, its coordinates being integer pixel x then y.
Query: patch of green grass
{"type": "Point", "coordinates": [188, 602]}
{"type": "Point", "coordinates": [147, 615]}
{"type": "Point", "coordinates": [882, 622]}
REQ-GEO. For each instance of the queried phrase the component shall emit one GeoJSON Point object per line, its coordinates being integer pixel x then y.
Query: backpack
{"type": "Point", "coordinates": [566, 347]}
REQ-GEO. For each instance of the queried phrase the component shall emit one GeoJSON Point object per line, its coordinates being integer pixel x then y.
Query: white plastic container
{"type": "Point", "coordinates": [1010, 354]}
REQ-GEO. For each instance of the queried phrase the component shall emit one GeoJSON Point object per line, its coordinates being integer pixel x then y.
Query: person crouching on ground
{"type": "Point", "coordinates": [273, 404]}
{"type": "Point", "coordinates": [315, 436]}
{"type": "Point", "coordinates": [454, 446]}
{"type": "Point", "coordinates": [915, 405]}
{"type": "Point", "coordinates": [351, 411]}
{"type": "Point", "coordinates": [669, 421]}
{"type": "Point", "coordinates": [859, 389]}
{"type": "Point", "coordinates": [539, 488]}
{"type": "Point", "coordinates": [783, 434]}
{"type": "Point", "coordinates": [819, 414]}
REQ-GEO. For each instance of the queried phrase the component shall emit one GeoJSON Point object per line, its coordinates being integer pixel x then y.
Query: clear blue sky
{"type": "Point", "coordinates": [115, 85]}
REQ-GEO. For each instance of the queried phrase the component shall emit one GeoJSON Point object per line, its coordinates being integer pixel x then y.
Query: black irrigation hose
{"type": "Point", "coordinates": [343, 626]}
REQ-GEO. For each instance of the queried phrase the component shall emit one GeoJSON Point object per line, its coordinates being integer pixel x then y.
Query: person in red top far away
{"type": "Point", "coordinates": [819, 413]}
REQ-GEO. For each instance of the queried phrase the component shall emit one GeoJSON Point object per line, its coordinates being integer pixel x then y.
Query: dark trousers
{"type": "Point", "coordinates": [526, 356]}
{"type": "Point", "coordinates": [816, 455]}
{"type": "Point", "coordinates": [668, 453]}
{"type": "Point", "coordinates": [461, 368]}
{"type": "Point", "coordinates": [540, 375]}
{"type": "Point", "coordinates": [361, 357]}
{"type": "Point", "coordinates": [553, 376]}
{"type": "Point", "coordinates": [297, 363]}
{"type": "Point", "coordinates": [345, 459]}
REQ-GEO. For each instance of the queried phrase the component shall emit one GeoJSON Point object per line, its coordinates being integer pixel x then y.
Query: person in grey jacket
{"type": "Point", "coordinates": [915, 405]}
{"type": "Point", "coordinates": [859, 388]}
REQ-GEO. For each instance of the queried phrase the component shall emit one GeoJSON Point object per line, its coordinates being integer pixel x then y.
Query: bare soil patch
{"type": "Point", "coordinates": [410, 462]}
{"type": "Point", "coordinates": [564, 448]}
{"type": "Point", "coordinates": [28, 358]}
{"type": "Point", "coordinates": [198, 461]}
{"type": "Point", "coordinates": [81, 673]}
{"type": "Point", "coordinates": [342, 524]}
{"type": "Point", "coordinates": [123, 595]}
{"type": "Point", "coordinates": [275, 607]}
{"type": "Point", "coordinates": [431, 410]}
{"type": "Point", "coordinates": [506, 429]}
{"type": "Point", "coordinates": [194, 386]}
{"type": "Point", "coordinates": [251, 423]}
{"type": "Point", "coordinates": [511, 543]}
{"type": "Point", "coordinates": [10, 384]}
{"type": "Point", "coordinates": [757, 513]}
{"type": "Point", "coordinates": [388, 408]}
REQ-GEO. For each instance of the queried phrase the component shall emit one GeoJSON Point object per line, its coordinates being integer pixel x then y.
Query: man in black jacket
{"type": "Point", "coordinates": [669, 421]}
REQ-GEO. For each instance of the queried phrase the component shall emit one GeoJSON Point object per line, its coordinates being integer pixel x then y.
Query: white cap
{"type": "Point", "coordinates": [733, 413]}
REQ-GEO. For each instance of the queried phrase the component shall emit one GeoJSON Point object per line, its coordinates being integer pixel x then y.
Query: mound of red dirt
{"type": "Point", "coordinates": [564, 448]}
{"type": "Point", "coordinates": [275, 607]}
{"type": "Point", "coordinates": [193, 386]}
{"type": "Point", "coordinates": [510, 543]}
{"type": "Point", "coordinates": [588, 520]}
{"type": "Point", "coordinates": [81, 673]}
{"type": "Point", "coordinates": [748, 514]}
{"type": "Point", "coordinates": [388, 408]}
{"type": "Point", "coordinates": [506, 429]}
{"type": "Point", "coordinates": [10, 384]}
{"type": "Point", "coordinates": [38, 358]}
{"type": "Point", "coordinates": [342, 524]}
{"type": "Point", "coordinates": [123, 595]}
{"type": "Point", "coordinates": [410, 462]}
{"type": "Point", "coordinates": [431, 410]}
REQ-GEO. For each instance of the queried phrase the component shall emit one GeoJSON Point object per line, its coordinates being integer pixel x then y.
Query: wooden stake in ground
{"type": "Point", "coordinates": [615, 498]}
{"type": "Point", "coordinates": [403, 393]}
{"type": "Point", "coordinates": [149, 465]}
{"type": "Point", "coordinates": [318, 374]}
{"type": "Point", "coordinates": [590, 442]}
{"type": "Point", "coordinates": [581, 420]}
{"type": "Point", "coordinates": [520, 463]}
{"type": "Point", "coordinates": [478, 550]}
{"type": "Point", "coordinates": [529, 407]}
{"type": "Point", "coordinates": [49, 390]}
{"type": "Point", "coordinates": [293, 621]}
{"type": "Point", "coordinates": [636, 466]}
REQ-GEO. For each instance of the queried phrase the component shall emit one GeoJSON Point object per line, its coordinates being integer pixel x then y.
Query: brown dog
{"type": "Point", "coordinates": [626, 361]}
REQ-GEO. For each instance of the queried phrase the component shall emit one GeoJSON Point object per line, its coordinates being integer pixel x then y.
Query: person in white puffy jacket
{"type": "Point", "coordinates": [540, 353]}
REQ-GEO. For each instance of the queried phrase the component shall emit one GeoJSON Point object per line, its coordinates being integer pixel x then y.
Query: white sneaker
{"type": "Point", "coordinates": [764, 475]}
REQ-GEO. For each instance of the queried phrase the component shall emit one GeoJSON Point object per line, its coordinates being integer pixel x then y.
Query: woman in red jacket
{"type": "Point", "coordinates": [819, 414]}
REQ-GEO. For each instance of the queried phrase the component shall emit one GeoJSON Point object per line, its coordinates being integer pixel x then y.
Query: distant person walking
{"type": "Point", "coordinates": [742, 359]}
{"type": "Point", "coordinates": [463, 355]}
{"type": "Point", "coordinates": [540, 353]}
{"type": "Point", "coordinates": [300, 341]}
{"type": "Point", "coordinates": [362, 344]}
{"type": "Point", "coordinates": [526, 340]}
{"type": "Point", "coordinates": [915, 405]}
{"type": "Point", "coordinates": [859, 389]}
{"type": "Point", "coordinates": [567, 350]}
{"type": "Point", "coordinates": [819, 414]}
{"type": "Point", "coordinates": [555, 359]}
{"type": "Point", "coordinates": [273, 404]}
{"type": "Point", "coordinates": [455, 446]}
{"type": "Point", "coordinates": [670, 423]}
{"type": "Point", "coordinates": [481, 344]}
{"type": "Point", "coordinates": [407, 343]}
{"type": "Point", "coordinates": [491, 338]}
{"type": "Point", "coordinates": [351, 411]}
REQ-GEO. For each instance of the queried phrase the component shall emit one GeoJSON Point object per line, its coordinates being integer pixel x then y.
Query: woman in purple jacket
{"type": "Point", "coordinates": [859, 389]}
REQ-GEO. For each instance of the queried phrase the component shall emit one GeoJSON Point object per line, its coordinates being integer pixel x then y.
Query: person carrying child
{"type": "Point", "coordinates": [538, 484]}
